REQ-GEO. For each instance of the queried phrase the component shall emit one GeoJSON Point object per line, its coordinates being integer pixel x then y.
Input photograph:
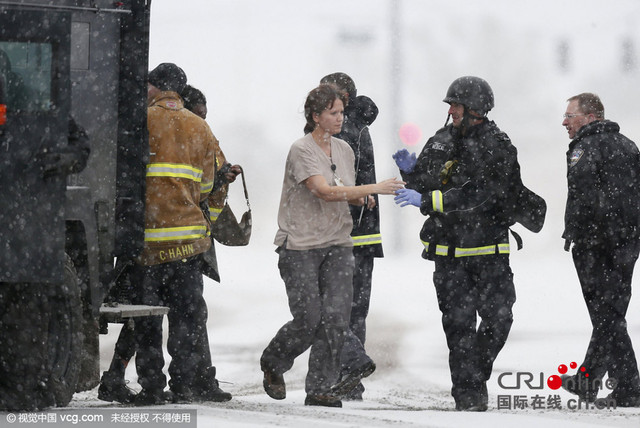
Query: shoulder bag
{"type": "Point", "coordinates": [227, 230]}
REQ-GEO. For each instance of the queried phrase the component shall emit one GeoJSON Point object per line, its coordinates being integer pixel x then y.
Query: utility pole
{"type": "Point", "coordinates": [396, 98]}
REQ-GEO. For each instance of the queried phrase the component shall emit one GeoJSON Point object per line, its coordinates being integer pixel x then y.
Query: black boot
{"type": "Point", "coordinates": [580, 386]}
{"type": "Point", "coordinates": [149, 397]}
{"type": "Point", "coordinates": [114, 388]}
{"type": "Point", "coordinates": [325, 400]}
{"type": "Point", "coordinates": [207, 388]}
{"type": "Point", "coordinates": [350, 380]}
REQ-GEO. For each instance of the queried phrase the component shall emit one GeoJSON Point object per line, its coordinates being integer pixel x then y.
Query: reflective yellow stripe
{"type": "Point", "coordinates": [206, 187]}
{"type": "Point", "coordinates": [482, 251]}
{"type": "Point", "coordinates": [175, 233]}
{"type": "Point", "coordinates": [443, 250]}
{"type": "Point", "coordinates": [437, 201]}
{"type": "Point", "coordinates": [174, 170]}
{"type": "Point", "coordinates": [214, 213]}
{"type": "Point", "coordinates": [366, 240]}
{"type": "Point", "coordinates": [504, 249]}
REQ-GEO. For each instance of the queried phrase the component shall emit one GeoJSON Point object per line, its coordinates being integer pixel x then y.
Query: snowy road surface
{"type": "Point", "coordinates": [411, 384]}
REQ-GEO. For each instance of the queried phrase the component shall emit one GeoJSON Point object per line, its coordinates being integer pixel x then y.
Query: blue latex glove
{"type": "Point", "coordinates": [406, 161]}
{"type": "Point", "coordinates": [406, 197]}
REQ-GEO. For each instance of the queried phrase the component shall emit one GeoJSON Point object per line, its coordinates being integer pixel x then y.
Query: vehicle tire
{"type": "Point", "coordinates": [24, 320]}
{"type": "Point", "coordinates": [65, 336]}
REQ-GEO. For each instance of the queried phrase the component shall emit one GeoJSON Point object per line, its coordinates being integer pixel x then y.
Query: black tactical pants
{"type": "Point", "coordinates": [126, 345]}
{"type": "Point", "coordinates": [605, 277]}
{"type": "Point", "coordinates": [177, 285]}
{"type": "Point", "coordinates": [468, 287]}
{"type": "Point", "coordinates": [362, 277]}
{"type": "Point", "coordinates": [354, 355]}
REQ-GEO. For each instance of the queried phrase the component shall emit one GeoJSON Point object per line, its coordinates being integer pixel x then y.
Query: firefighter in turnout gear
{"type": "Point", "coordinates": [205, 386]}
{"type": "Point", "coordinates": [463, 181]}
{"type": "Point", "coordinates": [180, 175]}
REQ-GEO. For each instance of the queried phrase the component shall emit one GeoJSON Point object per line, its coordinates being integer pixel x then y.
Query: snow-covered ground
{"type": "Point", "coordinates": [256, 60]}
{"type": "Point", "coordinates": [411, 385]}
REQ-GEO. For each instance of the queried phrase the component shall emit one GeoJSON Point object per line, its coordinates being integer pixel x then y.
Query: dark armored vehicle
{"type": "Point", "coordinates": [65, 62]}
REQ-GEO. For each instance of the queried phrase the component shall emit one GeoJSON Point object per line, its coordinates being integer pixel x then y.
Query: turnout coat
{"type": "Point", "coordinates": [180, 176]}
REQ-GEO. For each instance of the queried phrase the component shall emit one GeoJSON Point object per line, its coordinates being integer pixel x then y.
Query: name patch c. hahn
{"type": "Point", "coordinates": [177, 252]}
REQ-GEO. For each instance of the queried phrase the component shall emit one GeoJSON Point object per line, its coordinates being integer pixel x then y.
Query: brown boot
{"type": "Point", "coordinates": [274, 385]}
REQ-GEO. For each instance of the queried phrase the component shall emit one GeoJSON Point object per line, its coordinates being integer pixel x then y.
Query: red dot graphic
{"type": "Point", "coordinates": [554, 382]}
{"type": "Point", "coordinates": [582, 369]}
{"type": "Point", "coordinates": [573, 365]}
{"type": "Point", "coordinates": [562, 369]}
{"type": "Point", "coordinates": [410, 134]}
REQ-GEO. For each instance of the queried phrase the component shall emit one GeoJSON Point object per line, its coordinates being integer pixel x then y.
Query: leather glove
{"type": "Point", "coordinates": [232, 173]}
{"type": "Point", "coordinates": [406, 197]}
{"type": "Point", "coordinates": [406, 161]}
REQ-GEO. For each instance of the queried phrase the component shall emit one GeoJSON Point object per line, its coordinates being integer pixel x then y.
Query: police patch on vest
{"type": "Point", "coordinates": [575, 157]}
{"type": "Point", "coordinates": [439, 146]}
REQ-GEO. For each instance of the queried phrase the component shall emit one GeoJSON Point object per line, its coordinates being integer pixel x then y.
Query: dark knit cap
{"type": "Point", "coordinates": [168, 77]}
{"type": "Point", "coordinates": [192, 97]}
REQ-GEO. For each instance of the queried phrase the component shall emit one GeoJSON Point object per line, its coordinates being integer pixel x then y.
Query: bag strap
{"type": "Point", "coordinates": [244, 185]}
{"type": "Point", "coordinates": [517, 237]}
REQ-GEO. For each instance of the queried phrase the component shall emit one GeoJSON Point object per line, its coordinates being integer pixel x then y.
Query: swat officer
{"type": "Point", "coordinates": [463, 181]}
{"type": "Point", "coordinates": [601, 220]}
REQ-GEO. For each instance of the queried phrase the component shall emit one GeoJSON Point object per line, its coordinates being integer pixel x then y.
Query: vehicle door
{"type": "Point", "coordinates": [34, 120]}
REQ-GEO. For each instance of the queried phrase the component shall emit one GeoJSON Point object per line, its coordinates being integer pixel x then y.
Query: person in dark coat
{"type": "Point", "coordinates": [462, 181]}
{"type": "Point", "coordinates": [359, 114]}
{"type": "Point", "coordinates": [32, 257]}
{"type": "Point", "coordinates": [601, 221]}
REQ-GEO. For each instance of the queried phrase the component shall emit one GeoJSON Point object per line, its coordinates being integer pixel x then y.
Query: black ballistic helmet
{"type": "Point", "coordinates": [472, 92]}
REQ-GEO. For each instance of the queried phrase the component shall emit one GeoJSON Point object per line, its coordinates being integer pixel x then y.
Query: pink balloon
{"type": "Point", "coordinates": [410, 134]}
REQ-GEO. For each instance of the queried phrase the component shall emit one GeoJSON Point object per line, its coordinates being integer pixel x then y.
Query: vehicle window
{"type": "Point", "coordinates": [26, 71]}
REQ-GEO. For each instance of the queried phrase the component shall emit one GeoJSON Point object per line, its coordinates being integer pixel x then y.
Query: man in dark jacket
{"type": "Point", "coordinates": [601, 220]}
{"type": "Point", "coordinates": [359, 114]}
{"type": "Point", "coordinates": [462, 182]}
